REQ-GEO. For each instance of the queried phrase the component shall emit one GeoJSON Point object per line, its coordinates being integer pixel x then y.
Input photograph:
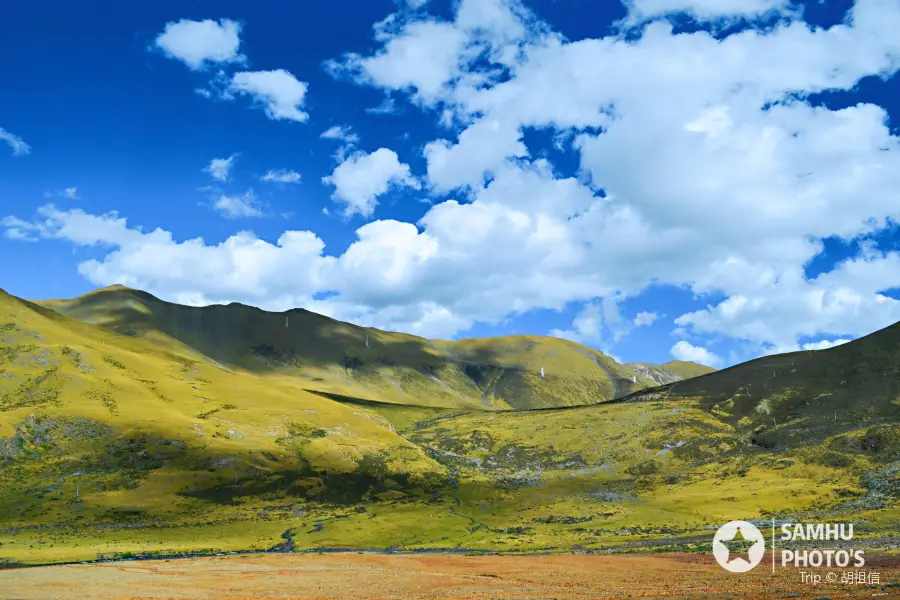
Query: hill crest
{"type": "Point", "coordinates": [351, 361]}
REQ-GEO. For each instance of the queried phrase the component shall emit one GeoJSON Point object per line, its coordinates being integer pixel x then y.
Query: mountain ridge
{"type": "Point", "coordinates": [111, 441]}
{"type": "Point", "coordinates": [342, 358]}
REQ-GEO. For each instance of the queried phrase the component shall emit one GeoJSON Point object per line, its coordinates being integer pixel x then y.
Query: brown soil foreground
{"type": "Point", "coordinates": [371, 576]}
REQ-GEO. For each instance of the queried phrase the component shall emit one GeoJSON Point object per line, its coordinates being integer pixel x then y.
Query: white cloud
{"type": "Point", "coordinates": [17, 229]}
{"type": "Point", "coordinates": [342, 133]}
{"type": "Point", "coordinates": [586, 327]}
{"type": "Point", "coordinates": [645, 319]}
{"type": "Point", "coordinates": [219, 168]}
{"type": "Point", "coordinates": [705, 10]}
{"type": "Point", "coordinates": [720, 178]}
{"type": "Point", "coordinates": [19, 147]}
{"type": "Point", "coordinates": [387, 107]}
{"type": "Point", "coordinates": [280, 93]}
{"type": "Point", "coordinates": [686, 351]}
{"type": "Point", "coordinates": [71, 193]}
{"type": "Point", "coordinates": [711, 189]}
{"type": "Point", "coordinates": [198, 43]}
{"type": "Point", "coordinates": [362, 178]}
{"type": "Point", "coordinates": [824, 344]}
{"type": "Point", "coordinates": [482, 149]}
{"type": "Point", "coordinates": [242, 266]}
{"type": "Point", "coordinates": [775, 311]}
{"type": "Point", "coordinates": [423, 56]}
{"type": "Point", "coordinates": [429, 57]}
{"type": "Point", "coordinates": [281, 176]}
{"type": "Point", "coordinates": [238, 207]}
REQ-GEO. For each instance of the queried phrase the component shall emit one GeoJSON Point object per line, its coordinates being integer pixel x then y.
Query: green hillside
{"type": "Point", "coordinates": [333, 357]}
{"type": "Point", "coordinates": [798, 398]}
{"type": "Point", "coordinates": [139, 442]}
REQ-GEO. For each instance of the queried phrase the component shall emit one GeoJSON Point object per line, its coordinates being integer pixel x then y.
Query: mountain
{"type": "Point", "coordinates": [129, 439]}
{"type": "Point", "coordinates": [333, 357]}
{"type": "Point", "coordinates": [672, 371]}
{"type": "Point", "coordinates": [789, 399]}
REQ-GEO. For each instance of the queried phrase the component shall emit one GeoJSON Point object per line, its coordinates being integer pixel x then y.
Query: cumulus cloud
{"type": "Point", "coordinates": [725, 189]}
{"type": "Point", "coordinates": [686, 351]}
{"type": "Point", "coordinates": [200, 43]}
{"type": "Point", "coordinates": [424, 56]}
{"type": "Point", "coordinates": [242, 266]}
{"type": "Point", "coordinates": [19, 147]}
{"type": "Point", "coordinates": [71, 193]}
{"type": "Point", "coordinates": [280, 93]}
{"type": "Point", "coordinates": [481, 149]}
{"type": "Point", "coordinates": [238, 207]}
{"type": "Point", "coordinates": [586, 327]}
{"type": "Point", "coordinates": [281, 176]}
{"type": "Point", "coordinates": [362, 178]}
{"type": "Point", "coordinates": [219, 168]}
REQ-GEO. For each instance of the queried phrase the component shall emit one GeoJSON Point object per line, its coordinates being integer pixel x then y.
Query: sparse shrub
{"type": "Point", "coordinates": [883, 440]}
{"type": "Point", "coordinates": [113, 362]}
{"type": "Point", "coordinates": [832, 459]}
{"type": "Point", "coordinates": [45, 388]}
{"type": "Point", "coordinates": [105, 397]}
{"type": "Point", "coordinates": [208, 414]}
{"type": "Point", "coordinates": [646, 467]}
{"type": "Point", "coordinates": [305, 430]}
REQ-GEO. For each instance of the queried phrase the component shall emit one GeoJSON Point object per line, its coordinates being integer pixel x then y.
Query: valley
{"type": "Point", "coordinates": [131, 428]}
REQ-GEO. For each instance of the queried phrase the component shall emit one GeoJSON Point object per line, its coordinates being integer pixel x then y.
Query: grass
{"type": "Point", "coordinates": [114, 443]}
{"type": "Point", "coordinates": [332, 357]}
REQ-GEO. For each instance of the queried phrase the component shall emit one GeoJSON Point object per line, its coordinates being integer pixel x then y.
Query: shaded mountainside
{"type": "Point", "coordinates": [139, 441]}
{"type": "Point", "coordinates": [333, 357]}
{"type": "Point", "coordinates": [801, 397]}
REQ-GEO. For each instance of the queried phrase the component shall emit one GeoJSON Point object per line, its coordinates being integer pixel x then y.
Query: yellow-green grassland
{"type": "Point", "coordinates": [130, 426]}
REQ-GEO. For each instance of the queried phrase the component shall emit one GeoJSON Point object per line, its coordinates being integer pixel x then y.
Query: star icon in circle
{"type": "Point", "coordinates": [739, 545]}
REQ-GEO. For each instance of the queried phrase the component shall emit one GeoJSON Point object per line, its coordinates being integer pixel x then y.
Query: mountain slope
{"type": "Point", "coordinates": [339, 358]}
{"type": "Point", "coordinates": [113, 443]}
{"type": "Point", "coordinates": [787, 399]}
{"type": "Point", "coordinates": [670, 372]}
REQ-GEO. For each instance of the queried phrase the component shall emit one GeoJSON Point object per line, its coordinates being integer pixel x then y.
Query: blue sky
{"type": "Point", "coordinates": [698, 179]}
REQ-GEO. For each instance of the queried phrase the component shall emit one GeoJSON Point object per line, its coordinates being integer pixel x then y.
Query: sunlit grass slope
{"type": "Point", "coordinates": [333, 357]}
{"type": "Point", "coordinates": [139, 442]}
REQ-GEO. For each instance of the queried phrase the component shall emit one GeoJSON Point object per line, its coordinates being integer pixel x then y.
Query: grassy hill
{"type": "Point", "coordinates": [798, 398]}
{"type": "Point", "coordinates": [669, 372]}
{"type": "Point", "coordinates": [117, 443]}
{"type": "Point", "coordinates": [333, 357]}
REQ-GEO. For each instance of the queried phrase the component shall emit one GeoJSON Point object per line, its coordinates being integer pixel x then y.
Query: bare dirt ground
{"type": "Point", "coordinates": [445, 577]}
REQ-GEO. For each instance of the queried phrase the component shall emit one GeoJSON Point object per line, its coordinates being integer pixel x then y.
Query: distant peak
{"type": "Point", "coordinates": [116, 287]}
